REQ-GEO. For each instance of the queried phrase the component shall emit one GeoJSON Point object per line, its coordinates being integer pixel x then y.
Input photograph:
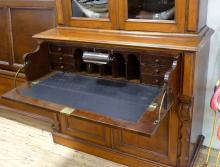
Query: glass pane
{"type": "Point", "coordinates": [90, 8]}
{"type": "Point", "coordinates": [151, 9]}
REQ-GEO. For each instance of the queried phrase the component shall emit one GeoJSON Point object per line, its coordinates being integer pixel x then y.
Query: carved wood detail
{"type": "Point", "coordinates": [185, 119]}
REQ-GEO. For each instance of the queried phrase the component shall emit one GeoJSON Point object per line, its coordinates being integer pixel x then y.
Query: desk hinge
{"type": "Point", "coordinates": [152, 107]}
{"type": "Point", "coordinates": [67, 111]}
{"type": "Point", "coordinates": [34, 83]}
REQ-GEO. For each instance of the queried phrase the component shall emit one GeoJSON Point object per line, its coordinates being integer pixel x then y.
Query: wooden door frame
{"type": "Point", "coordinates": [64, 9]}
{"type": "Point", "coordinates": [177, 25]}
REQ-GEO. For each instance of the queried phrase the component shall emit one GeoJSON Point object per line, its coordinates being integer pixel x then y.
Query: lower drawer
{"type": "Point", "coordinates": [63, 67]}
{"type": "Point", "coordinates": [152, 79]}
{"type": "Point", "coordinates": [85, 130]}
{"type": "Point", "coordinates": [154, 70]}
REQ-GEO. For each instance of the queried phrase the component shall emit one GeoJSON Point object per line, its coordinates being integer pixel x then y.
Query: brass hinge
{"type": "Point", "coordinates": [67, 111]}
{"type": "Point", "coordinates": [34, 83]}
{"type": "Point", "coordinates": [152, 107]}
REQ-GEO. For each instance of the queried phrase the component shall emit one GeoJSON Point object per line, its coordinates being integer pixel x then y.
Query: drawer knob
{"type": "Point", "coordinates": [59, 49]}
{"type": "Point", "coordinates": [157, 71]}
{"type": "Point", "coordinates": [157, 60]}
{"type": "Point", "coordinates": [157, 81]}
{"type": "Point", "coordinates": [61, 58]}
{"type": "Point", "coordinates": [61, 67]}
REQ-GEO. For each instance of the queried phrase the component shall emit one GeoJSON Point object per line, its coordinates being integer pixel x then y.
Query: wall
{"type": "Point", "coordinates": [213, 21]}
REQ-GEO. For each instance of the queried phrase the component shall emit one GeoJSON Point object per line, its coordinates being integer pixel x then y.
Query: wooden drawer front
{"type": "Point", "coordinates": [86, 130]}
{"type": "Point", "coordinates": [61, 49]}
{"type": "Point", "coordinates": [63, 67]}
{"type": "Point", "coordinates": [62, 58]}
{"type": "Point", "coordinates": [153, 148]}
{"type": "Point", "coordinates": [153, 70]}
{"type": "Point", "coordinates": [154, 60]}
{"type": "Point", "coordinates": [152, 79]}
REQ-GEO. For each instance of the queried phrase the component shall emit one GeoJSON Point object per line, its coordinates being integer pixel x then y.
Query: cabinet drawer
{"type": "Point", "coordinates": [142, 146]}
{"type": "Point", "coordinates": [61, 49]}
{"type": "Point", "coordinates": [62, 58]}
{"type": "Point", "coordinates": [85, 130]}
{"type": "Point", "coordinates": [152, 60]}
{"type": "Point", "coordinates": [152, 79]}
{"type": "Point", "coordinates": [63, 67]}
{"type": "Point", "coordinates": [151, 70]}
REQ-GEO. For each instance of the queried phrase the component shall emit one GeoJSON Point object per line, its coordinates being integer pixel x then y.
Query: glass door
{"type": "Point", "coordinates": [152, 15]}
{"type": "Point", "coordinates": [90, 9]}
{"type": "Point", "coordinates": [100, 14]}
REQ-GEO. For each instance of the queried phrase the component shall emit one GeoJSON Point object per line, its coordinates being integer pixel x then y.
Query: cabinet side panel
{"type": "Point", "coordinates": [202, 58]}
{"type": "Point", "coordinates": [201, 70]}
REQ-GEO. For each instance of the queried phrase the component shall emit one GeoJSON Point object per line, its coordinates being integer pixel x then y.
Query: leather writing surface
{"type": "Point", "coordinates": [115, 99]}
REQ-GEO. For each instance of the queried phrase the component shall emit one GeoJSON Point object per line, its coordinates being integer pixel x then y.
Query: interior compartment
{"type": "Point", "coordinates": [118, 66]}
{"type": "Point", "coordinates": [133, 67]}
{"type": "Point", "coordinates": [78, 62]}
{"type": "Point", "coordinates": [105, 70]}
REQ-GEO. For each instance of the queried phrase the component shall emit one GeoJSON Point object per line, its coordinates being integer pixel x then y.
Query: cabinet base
{"type": "Point", "coordinates": [114, 155]}
{"type": "Point", "coordinates": [103, 152]}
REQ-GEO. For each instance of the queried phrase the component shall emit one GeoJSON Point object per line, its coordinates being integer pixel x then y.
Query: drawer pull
{"type": "Point", "coordinates": [152, 107]}
{"type": "Point", "coordinates": [157, 71]}
{"type": "Point", "coordinates": [157, 81]}
{"type": "Point", "coordinates": [61, 67]}
{"type": "Point", "coordinates": [59, 49]}
{"type": "Point", "coordinates": [157, 60]}
{"type": "Point", "coordinates": [60, 58]}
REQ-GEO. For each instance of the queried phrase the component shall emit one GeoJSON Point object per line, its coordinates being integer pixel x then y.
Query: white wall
{"type": "Point", "coordinates": [213, 21]}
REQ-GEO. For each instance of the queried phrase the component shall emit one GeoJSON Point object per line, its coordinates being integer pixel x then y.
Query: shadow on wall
{"type": "Point", "coordinates": [213, 75]}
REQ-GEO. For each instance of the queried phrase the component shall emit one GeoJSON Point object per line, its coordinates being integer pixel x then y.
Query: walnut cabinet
{"type": "Point", "coordinates": [120, 79]}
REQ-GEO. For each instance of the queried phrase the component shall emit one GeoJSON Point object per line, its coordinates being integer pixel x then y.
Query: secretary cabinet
{"type": "Point", "coordinates": [121, 79]}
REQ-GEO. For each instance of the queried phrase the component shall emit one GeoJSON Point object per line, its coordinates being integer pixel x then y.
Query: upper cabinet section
{"type": "Point", "coordinates": [175, 16]}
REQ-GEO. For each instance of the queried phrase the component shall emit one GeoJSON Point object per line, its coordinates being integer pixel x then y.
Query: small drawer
{"type": "Point", "coordinates": [61, 49]}
{"type": "Point", "coordinates": [62, 58]}
{"type": "Point", "coordinates": [63, 67]}
{"type": "Point", "coordinates": [152, 60]}
{"type": "Point", "coordinates": [88, 131]}
{"type": "Point", "coordinates": [153, 70]}
{"type": "Point", "coordinates": [152, 79]}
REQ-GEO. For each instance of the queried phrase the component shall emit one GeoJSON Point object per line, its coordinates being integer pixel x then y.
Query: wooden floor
{"type": "Point", "coordinates": [25, 142]}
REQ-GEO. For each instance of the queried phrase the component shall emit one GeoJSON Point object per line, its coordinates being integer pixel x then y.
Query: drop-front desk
{"type": "Point", "coordinates": [126, 89]}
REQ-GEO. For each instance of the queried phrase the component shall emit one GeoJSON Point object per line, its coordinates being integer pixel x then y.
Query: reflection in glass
{"type": "Point", "coordinates": [90, 8]}
{"type": "Point", "coordinates": [151, 9]}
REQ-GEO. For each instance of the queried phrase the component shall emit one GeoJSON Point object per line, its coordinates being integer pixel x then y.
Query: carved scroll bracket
{"type": "Point", "coordinates": [185, 120]}
{"type": "Point", "coordinates": [185, 108]}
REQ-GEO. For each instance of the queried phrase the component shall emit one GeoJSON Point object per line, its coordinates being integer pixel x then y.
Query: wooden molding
{"type": "Point", "coordinates": [185, 42]}
{"type": "Point", "coordinates": [185, 119]}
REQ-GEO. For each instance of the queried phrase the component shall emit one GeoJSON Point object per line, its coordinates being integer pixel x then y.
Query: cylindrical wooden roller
{"type": "Point", "coordinates": [96, 58]}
